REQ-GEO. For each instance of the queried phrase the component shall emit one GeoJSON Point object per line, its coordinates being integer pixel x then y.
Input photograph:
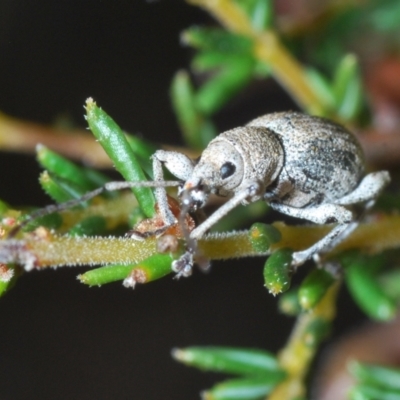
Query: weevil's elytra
{"type": "Point", "coordinates": [306, 167]}
{"type": "Point", "coordinates": [322, 160]}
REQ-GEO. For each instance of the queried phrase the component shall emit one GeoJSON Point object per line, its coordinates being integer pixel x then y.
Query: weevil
{"type": "Point", "coordinates": [302, 166]}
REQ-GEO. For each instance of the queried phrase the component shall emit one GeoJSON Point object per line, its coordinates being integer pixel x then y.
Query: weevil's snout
{"type": "Point", "coordinates": [194, 194]}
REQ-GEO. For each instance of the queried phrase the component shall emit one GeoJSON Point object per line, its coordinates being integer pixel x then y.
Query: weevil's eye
{"type": "Point", "coordinates": [227, 170]}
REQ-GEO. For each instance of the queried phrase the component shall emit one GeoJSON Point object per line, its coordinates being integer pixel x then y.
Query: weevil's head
{"type": "Point", "coordinates": [220, 171]}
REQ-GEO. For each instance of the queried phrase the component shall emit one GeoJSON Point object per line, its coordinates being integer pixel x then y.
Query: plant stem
{"type": "Point", "coordinates": [48, 250]}
{"type": "Point", "coordinates": [295, 358]}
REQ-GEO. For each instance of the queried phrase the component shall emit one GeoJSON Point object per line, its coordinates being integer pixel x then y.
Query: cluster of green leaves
{"type": "Point", "coordinates": [375, 382]}
{"type": "Point", "coordinates": [365, 279]}
{"type": "Point", "coordinates": [343, 95]}
{"type": "Point", "coordinates": [258, 371]}
{"type": "Point", "coordinates": [370, 279]}
{"type": "Point", "coordinates": [349, 27]}
{"type": "Point", "coordinates": [228, 61]}
{"type": "Point", "coordinates": [309, 293]}
{"type": "Point", "coordinates": [64, 181]}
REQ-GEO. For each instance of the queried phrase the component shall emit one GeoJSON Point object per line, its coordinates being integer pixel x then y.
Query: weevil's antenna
{"type": "Point", "coordinates": [108, 187]}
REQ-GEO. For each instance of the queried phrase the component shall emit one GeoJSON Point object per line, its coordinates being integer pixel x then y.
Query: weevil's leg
{"type": "Point", "coordinates": [336, 235]}
{"type": "Point", "coordinates": [368, 189]}
{"type": "Point", "coordinates": [184, 265]}
{"type": "Point", "coordinates": [180, 166]}
{"type": "Point", "coordinates": [321, 214]}
{"type": "Point", "coordinates": [350, 227]}
{"type": "Point", "coordinates": [250, 191]}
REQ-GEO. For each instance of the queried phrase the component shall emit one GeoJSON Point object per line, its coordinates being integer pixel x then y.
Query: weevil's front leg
{"type": "Point", "coordinates": [250, 191]}
{"type": "Point", "coordinates": [180, 166]}
{"type": "Point", "coordinates": [321, 214]}
{"type": "Point", "coordinates": [183, 266]}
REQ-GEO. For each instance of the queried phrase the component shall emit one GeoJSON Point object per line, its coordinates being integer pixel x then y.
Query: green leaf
{"type": "Point", "coordinates": [377, 375]}
{"type": "Point", "coordinates": [316, 331]}
{"type": "Point", "coordinates": [262, 14]}
{"type": "Point", "coordinates": [390, 282]}
{"type": "Point", "coordinates": [229, 360]}
{"type": "Point", "coordinates": [115, 144]}
{"type": "Point", "coordinates": [386, 15]}
{"type": "Point", "coordinates": [322, 87]}
{"type": "Point", "coordinates": [278, 271]}
{"type": "Point", "coordinates": [255, 388]}
{"type": "Point", "coordinates": [50, 221]}
{"type": "Point", "coordinates": [207, 131]}
{"type": "Point", "coordinates": [314, 287]}
{"type": "Point", "coordinates": [217, 39]}
{"type": "Point", "coordinates": [216, 92]}
{"type": "Point", "coordinates": [348, 88]}
{"type": "Point", "coordinates": [143, 150]}
{"type": "Point", "coordinates": [365, 288]}
{"type": "Point", "coordinates": [93, 225]}
{"type": "Point", "coordinates": [60, 190]}
{"type": "Point", "coordinates": [288, 303]}
{"type": "Point", "coordinates": [205, 61]}
{"type": "Point", "coordinates": [182, 95]}
{"type": "Point", "coordinates": [262, 236]}
{"type": "Point", "coordinates": [148, 270]}
{"type": "Point", "coordinates": [66, 169]}
{"type": "Point", "coordinates": [368, 392]}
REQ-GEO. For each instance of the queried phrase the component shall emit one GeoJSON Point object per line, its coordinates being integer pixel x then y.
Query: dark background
{"type": "Point", "coordinates": [59, 339]}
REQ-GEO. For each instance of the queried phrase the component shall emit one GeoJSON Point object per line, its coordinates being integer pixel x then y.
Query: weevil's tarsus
{"type": "Point", "coordinates": [183, 266]}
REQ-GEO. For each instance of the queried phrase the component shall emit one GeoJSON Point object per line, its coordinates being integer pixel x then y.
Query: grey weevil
{"type": "Point", "coordinates": [302, 166]}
